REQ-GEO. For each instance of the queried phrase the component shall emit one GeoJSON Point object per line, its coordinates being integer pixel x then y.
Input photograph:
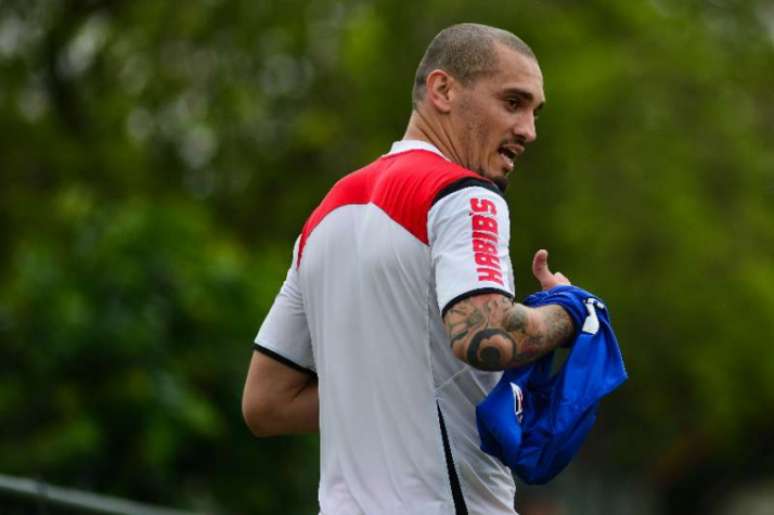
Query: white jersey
{"type": "Point", "coordinates": [387, 251]}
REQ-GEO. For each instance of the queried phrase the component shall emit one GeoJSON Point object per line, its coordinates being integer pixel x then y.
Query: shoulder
{"type": "Point", "coordinates": [429, 177]}
{"type": "Point", "coordinates": [411, 183]}
{"type": "Point", "coordinates": [404, 185]}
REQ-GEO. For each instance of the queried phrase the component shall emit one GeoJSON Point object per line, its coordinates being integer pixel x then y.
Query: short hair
{"type": "Point", "coordinates": [465, 51]}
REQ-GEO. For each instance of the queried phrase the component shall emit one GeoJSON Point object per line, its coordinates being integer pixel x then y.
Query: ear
{"type": "Point", "coordinates": [440, 89]}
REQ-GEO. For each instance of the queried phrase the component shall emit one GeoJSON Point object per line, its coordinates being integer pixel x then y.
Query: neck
{"type": "Point", "coordinates": [429, 129]}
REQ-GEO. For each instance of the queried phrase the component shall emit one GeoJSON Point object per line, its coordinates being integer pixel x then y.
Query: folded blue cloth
{"type": "Point", "coordinates": [535, 422]}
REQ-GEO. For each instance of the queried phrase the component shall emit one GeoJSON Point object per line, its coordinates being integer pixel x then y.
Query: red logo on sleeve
{"type": "Point", "coordinates": [485, 234]}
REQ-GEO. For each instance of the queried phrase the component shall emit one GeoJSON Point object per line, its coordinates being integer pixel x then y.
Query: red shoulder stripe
{"type": "Point", "coordinates": [402, 185]}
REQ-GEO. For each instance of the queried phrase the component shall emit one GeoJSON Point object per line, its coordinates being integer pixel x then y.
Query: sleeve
{"type": "Point", "coordinates": [469, 233]}
{"type": "Point", "coordinates": [284, 334]}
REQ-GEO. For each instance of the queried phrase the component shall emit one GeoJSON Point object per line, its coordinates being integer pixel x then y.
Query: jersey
{"type": "Point", "coordinates": [391, 247]}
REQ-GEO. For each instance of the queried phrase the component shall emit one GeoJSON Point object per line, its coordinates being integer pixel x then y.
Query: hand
{"type": "Point", "coordinates": [541, 272]}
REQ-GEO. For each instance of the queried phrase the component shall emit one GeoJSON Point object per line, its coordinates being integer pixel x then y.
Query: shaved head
{"type": "Point", "coordinates": [466, 52]}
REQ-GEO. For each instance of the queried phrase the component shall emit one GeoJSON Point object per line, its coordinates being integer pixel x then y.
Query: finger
{"type": "Point", "coordinates": [539, 262]}
{"type": "Point", "coordinates": [540, 267]}
{"type": "Point", "coordinates": [560, 277]}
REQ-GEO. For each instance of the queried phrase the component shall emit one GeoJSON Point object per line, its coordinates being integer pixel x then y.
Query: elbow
{"type": "Point", "coordinates": [489, 350]}
{"type": "Point", "coordinates": [459, 352]}
{"type": "Point", "coordinates": [257, 415]}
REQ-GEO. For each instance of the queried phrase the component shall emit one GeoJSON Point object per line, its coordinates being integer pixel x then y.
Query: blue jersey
{"type": "Point", "coordinates": [535, 422]}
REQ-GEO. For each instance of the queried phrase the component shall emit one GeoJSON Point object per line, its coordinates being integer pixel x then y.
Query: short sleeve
{"type": "Point", "coordinates": [469, 233]}
{"type": "Point", "coordinates": [284, 334]}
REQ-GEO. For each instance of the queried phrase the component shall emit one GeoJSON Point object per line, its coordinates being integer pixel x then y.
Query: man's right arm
{"type": "Point", "coordinates": [469, 233]}
{"type": "Point", "coordinates": [491, 332]}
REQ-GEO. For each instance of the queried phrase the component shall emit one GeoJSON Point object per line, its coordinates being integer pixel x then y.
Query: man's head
{"type": "Point", "coordinates": [477, 91]}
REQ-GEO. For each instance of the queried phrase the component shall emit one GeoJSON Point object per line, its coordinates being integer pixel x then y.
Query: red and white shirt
{"type": "Point", "coordinates": [388, 250]}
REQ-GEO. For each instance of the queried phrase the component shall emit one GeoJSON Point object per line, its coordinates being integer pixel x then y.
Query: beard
{"type": "Point", "coordinates": [478, 137]}
{"type": "Point", "coordinates": [501, 181]}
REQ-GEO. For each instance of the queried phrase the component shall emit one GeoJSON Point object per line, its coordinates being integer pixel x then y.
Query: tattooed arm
{"type": "Point", "coordinates": [491, 332]}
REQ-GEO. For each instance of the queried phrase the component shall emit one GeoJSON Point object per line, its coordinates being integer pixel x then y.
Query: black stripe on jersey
{"type": "Point", "coordinates": [467, 182]}
{"type": "Point", "coordinates": [471, 293]}
{"type": "Point", "coordinates": [282, 359]}
{"type": "Point", "coordinates": [454, 482]}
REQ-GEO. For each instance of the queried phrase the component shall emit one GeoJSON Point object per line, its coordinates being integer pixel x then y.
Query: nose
{"type": "Point", "coordinates": [524, 128]}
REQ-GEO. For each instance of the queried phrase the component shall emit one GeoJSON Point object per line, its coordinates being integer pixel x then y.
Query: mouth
{"type": "Point", "coordinates": [508, 156]}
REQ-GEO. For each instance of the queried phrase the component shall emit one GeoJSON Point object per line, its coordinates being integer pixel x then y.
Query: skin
{"type": "Point", "coordinates": [470, 125]}
{"type": "Point", "coordinates": [278, 399]}
{"type": "Point", "coordinates": [491, 332]}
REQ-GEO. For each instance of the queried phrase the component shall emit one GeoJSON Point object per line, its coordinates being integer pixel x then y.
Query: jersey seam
{"type": "Point", "coordinates": [464, 369]}
{"type": "Point", "coordinates": [429, 354]}
{"type": "Point", "coordinates": [455, 484]}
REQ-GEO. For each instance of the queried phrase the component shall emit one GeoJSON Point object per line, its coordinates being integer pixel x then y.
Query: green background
{"type": "Point", "coordinates": [157, 159]}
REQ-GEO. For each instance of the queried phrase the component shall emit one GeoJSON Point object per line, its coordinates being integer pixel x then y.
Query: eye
{"type": "Point", "coordinates": [513, 103]}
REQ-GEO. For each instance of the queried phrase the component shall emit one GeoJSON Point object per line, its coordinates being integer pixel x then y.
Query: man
{"type": "Point", "coordinates": [398, 305]}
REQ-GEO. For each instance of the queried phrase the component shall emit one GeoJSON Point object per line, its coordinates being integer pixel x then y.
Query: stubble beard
{"type": "Point", "coordinates": [501, 181]}
{"type": "Point", "coordinates": [478, 135]}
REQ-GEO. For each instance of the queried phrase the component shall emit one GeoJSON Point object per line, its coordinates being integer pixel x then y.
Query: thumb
{"type": "Point", "coordinates": [540, 268]}
{"type": "Point", "coordinates": [561, 278]}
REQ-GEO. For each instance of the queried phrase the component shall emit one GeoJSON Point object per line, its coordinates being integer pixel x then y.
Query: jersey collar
{"type": "Point", "coordinates": [414, 144]}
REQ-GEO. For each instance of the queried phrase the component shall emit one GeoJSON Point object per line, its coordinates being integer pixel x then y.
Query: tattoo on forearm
{"type": "Point", "coordinates": [558, 324]}
{"type": "Point", "coordinates": [484, 352]}
{"type": "Point", "coordinates": [470, 320]}
{"type": "Point", "coordinates": [515, 320]}
{"type": "Point", "coordinates": [495, 333]}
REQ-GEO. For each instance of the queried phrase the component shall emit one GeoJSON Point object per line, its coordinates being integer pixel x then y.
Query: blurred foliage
{"type": "Point", "coordinates": [158, 159]}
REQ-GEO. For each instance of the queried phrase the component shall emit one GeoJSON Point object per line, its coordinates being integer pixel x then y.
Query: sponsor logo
{"type": "Point", "coordinates": [591, 324]}
{"type": "Point", "coordinates": [518, 402]}
{"type": "Point", "coordinates": [485, 234]}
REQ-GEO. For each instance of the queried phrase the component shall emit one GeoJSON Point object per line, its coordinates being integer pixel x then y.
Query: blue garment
{"type": "Point", "coordinates": [535, 422]}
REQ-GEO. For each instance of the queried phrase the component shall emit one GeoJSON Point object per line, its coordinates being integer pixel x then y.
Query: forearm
{"type": "Point", "coordinates": [283, 412]}
{"type": "Point", "coordinates": [301, 414]}
{"type": "Point", "coordinates": [278, 399]}
{"type": "Point", "coordinates": [490, 332]}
